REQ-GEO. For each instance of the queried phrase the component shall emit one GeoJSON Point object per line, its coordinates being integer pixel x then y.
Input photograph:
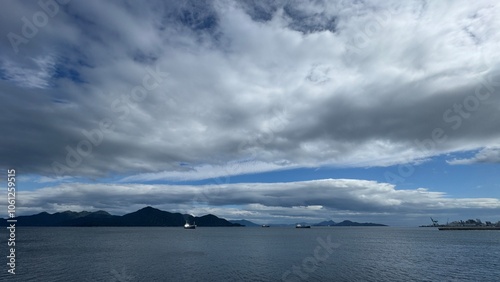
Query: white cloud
{"type": "Point", "coordinates": [45, 179]}
{"type": "Point", "coordinates": [285, 202]}
{"type": "Point", "coordinates": [486, 155]}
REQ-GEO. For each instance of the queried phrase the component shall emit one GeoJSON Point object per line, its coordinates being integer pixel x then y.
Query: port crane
{"type": "Point", "coordinates": [434, 222]}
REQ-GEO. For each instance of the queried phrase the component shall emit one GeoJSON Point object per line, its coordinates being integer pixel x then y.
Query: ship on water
{"type": "Point", "coordinates": [190, 226]}
{"type": "Point", "coordinates": [302, 226]}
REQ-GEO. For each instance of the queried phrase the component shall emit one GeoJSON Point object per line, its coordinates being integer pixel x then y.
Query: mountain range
{"type": "Point", "coordinates": [147, 216]}
{"type": "Point", "coordinates": [323, 223]}
{"type": "Point", "coordinates": [346, 223]}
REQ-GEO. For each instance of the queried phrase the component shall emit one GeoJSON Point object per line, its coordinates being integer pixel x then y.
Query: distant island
{"type": "Point", "coordinates": [244, 222]}
{"type": "Point", "coordinates": [347, 223]}
{"type": "Point", "coordinates": [147, 216]}
{"type": "Point", "coordinates": [323, 223]}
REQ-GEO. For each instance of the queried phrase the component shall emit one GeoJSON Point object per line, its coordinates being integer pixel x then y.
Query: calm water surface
{"type": "Point", "coordinates": [253, 254]}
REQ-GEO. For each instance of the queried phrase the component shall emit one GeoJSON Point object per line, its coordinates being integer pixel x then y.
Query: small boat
{"type": "Point", "coordinates": [190, 226]}
{"type": "Point", "coordinates": [302, 226]}
{"type": "Point", "coordinates": [265, 225]}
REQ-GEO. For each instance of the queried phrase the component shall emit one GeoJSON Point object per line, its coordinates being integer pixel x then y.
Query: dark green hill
{"type": "Point", "coordinates": [150, 216]}
{"type": "Point", "coordinates": [212, 220]}
{"type": "Point", "coordinates": [147, 216]}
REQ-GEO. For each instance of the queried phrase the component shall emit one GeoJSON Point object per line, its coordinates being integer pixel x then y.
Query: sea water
{"type": "Point", "coordinates": [252, 254]}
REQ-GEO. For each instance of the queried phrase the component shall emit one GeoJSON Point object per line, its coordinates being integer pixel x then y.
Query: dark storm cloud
{"type": "Point", "coordinates": [232, 88]}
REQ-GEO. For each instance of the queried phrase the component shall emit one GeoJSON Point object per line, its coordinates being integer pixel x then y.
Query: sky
{"type": "Point", "coordinates": [271, 111]}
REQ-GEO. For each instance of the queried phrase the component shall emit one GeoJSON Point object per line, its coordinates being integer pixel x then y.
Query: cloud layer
{"type": "Point", "coordinates": [272, 202]}
{"type": "Point", "coordinates": [269, 86]}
